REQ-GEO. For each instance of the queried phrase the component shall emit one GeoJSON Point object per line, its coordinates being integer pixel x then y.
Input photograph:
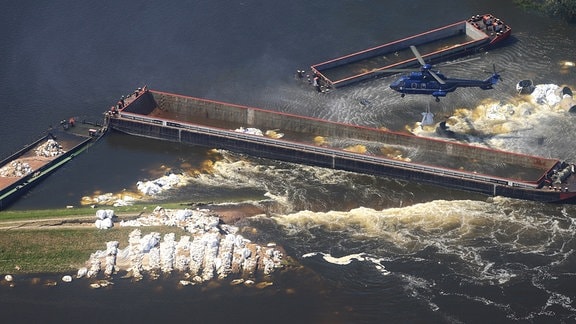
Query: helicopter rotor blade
{"type": "Point", "coordinates": [497, 72]}
{"type": "Point", "coordinates": [393, 71]}
{"type": "Point", "coordinates": [494, 71]}
{"type": "Point", "coordinates": [399, 70]}
{"type": "Point", "coordinates": [417, 54]}
{"type": "Point", "coordinates": [435, 76]}
{"type": "Point", "coordinates": [459, 62]}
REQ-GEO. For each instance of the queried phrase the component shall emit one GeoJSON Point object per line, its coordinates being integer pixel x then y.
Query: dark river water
{"type": "Point", "coordinates": [372, 249]}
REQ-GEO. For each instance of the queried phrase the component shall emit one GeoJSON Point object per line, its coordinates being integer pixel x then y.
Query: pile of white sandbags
{"type": "Point", "coordinates": [211, 250]}
{"type": "Point", "coordinates": [546, 94]}
{"type": "Point", "coordinates": [50, 148]}
{"type": "Point", "coordinates": [104, 219]}
{"type": "Point", "coordinates": [249, 130]}
{"type": "Point", "coordinates": [16, 169]}
{"type": "Point", "coordinates": [158, 186]}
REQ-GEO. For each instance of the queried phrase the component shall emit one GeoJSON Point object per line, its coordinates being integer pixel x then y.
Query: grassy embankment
{"type": "Point", "coordinates": [34, 242]}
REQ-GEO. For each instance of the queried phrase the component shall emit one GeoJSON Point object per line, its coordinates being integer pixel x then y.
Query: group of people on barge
{"type": "Point", "coordinates": [125, 99]}
{"type": "Point", "coordinates": [488, 23]}
{"type": "Point", "coordinates": [315, 80]}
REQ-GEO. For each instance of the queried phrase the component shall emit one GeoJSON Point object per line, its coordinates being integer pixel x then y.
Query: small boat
{"type": "Point", "coordinates": [24, 169]}
{"type": "Point", "coordinates": [466, 37]}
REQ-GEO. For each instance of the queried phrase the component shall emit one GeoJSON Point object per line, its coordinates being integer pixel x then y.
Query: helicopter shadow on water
{"type": "Point", "coordinates": [474, 135]}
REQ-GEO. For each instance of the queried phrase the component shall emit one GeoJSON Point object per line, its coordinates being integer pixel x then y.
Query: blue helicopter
{"type": "Point", "coordinates": [429, 82]}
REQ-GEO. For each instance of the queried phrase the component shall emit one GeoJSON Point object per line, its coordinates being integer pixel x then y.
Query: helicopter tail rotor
{"type": "Point", "coordinates": [495, 74]}
{"type": "Point", "coordinates": [493, 79]}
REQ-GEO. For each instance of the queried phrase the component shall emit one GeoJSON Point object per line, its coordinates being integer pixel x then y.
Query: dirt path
{"type": "Point", "coordinates": [229, 215]}
{"type": "Point", "coordinates": [55, 222]}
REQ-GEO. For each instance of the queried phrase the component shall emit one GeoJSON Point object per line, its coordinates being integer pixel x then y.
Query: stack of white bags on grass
{"type": "Point", "coordinates": [104, 218]}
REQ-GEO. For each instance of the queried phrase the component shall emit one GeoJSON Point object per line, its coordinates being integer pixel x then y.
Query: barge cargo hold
{"type": "Point", "coordinates": [317, 142]}
{"type": "Point", "coordinates": [458, 39]}
{"type": "Point", "coordinates": [23, 170]}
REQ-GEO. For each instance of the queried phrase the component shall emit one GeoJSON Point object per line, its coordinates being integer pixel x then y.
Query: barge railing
{"type": "Point", "coordinates": [333, 153]}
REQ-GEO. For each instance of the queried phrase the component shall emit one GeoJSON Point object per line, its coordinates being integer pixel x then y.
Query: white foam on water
{"type": "Point", "coordinates": [494, 243]}
{"type": "Point", "coordinates": [347, 259]}
{"type": "Point", "coordinates": [521, 124]}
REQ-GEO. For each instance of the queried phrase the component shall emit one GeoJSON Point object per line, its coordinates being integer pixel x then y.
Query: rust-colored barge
{"type": "Point", "coordinates": [462, 38]}
{"type": "Point", "coordinates": [317, 142]}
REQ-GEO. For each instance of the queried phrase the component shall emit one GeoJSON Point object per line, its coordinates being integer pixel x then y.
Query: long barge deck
{"type": "Point", "coordinates": [328, 144]}
{"type": "Point", "coordinates": [440, 44]}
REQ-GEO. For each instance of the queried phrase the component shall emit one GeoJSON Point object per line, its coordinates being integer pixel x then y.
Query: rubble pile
{"type": "Point", "coordinates": [50, 148]}
{"type": "Point", "coordinates": [15, 169]}
{"type": "Point", "coordinates": [211, 250]}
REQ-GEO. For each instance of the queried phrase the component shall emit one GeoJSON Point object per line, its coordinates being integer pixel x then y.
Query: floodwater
{"type": "Point", "coordinates": [372, 249]}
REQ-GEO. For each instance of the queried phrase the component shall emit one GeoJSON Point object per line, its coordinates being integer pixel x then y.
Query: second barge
{"type": "Point", "coordinates": [26, 168]}
{"type": "Point", "coordinates": [458, 39]}
{"type": "Point", "coordinates": [317, 142]}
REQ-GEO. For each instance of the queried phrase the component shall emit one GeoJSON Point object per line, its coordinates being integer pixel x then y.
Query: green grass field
{"type": "Point", "coordinates": [39, 249]}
